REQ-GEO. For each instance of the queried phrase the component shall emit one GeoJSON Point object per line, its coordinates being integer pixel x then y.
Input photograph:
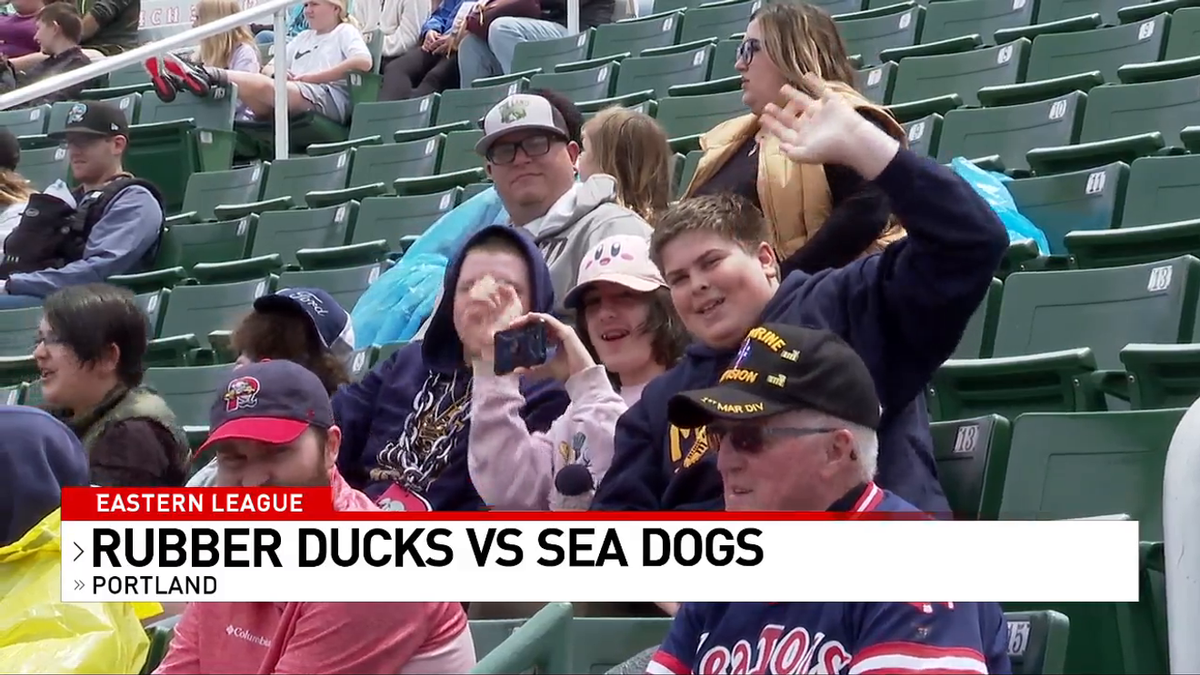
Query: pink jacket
{"type": "Point", "coordinates": [514, 469]}
{"type": "Point", "coordinates": [322, 637]}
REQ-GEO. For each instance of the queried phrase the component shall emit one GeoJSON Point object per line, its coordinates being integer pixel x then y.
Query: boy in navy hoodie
{"type": "Point", "coordinates": [903, 310]}
{"type": "Point", "coordinates": [405, 426]}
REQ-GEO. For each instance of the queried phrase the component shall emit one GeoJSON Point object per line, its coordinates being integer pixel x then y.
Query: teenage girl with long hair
{"type": "Point", "coordinates": [632, 148]}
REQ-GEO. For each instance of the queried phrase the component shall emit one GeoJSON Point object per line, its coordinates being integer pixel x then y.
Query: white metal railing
{"type": "Point", "coordinates": [191, 36]}
{"type": "Point", "coordinates": [188, 37]}
{"type": "Point", "coordinates": [1181, 542]}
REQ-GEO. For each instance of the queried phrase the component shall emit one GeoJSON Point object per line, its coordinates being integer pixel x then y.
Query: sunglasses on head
{"type": "Point", "coordinates": [747, 49]}
{"type": "Point", "coordinates": [752, 438]}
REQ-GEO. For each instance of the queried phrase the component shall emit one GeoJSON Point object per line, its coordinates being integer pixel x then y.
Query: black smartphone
{"type": "Point", "coordinates": [522, 347]}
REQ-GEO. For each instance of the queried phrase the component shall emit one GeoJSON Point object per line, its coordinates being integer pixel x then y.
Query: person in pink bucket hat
{"type": "Point", "coordinates": [626, 333]}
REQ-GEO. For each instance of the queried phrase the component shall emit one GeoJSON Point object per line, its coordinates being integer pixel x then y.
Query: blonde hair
{"type": "Point", "coordinates": [217, 51]}
{"type": "Point", "coordinates": [14, 189]}
{"type": "Point", "coordinates": [631, 147]}
{"type": "Point", "coordinates": [800, 39]}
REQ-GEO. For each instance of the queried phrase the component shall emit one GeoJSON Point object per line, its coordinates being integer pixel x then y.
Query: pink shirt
{"type": "Point", "coordinates": [16, 35]}
{"type": "Point", "coordinates": [322, 637]}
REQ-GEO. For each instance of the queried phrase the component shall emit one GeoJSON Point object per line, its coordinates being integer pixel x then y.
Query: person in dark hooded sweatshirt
{"type": "Point", "coordinates": [903, 310]}
{"type": "Point", "coordinates": [39, 456]}
{"type": "Point", "coordinates": [405, 426]}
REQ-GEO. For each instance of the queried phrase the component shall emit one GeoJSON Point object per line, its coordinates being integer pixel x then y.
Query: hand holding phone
{"type": "Point", "coordinates": [541, 346]}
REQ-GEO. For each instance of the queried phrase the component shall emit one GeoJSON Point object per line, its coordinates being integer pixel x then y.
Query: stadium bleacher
{"type": "Point", "coordinates": [1062, 396]}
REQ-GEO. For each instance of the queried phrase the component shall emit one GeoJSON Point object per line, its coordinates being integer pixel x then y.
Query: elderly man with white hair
{"type": "Point", "coordinates": [794, 418]}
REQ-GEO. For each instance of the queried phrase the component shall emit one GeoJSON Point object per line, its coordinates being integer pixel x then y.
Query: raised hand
{"type": "Point", "coordinates": [827, 130]}
{"type": "Point", "coordinates": [570, 357]}
{"type": "Point", "coordinates": [485, 315]}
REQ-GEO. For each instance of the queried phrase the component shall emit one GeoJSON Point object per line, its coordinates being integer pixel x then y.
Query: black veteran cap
{"type": "Point", "coordinates": [781, 368]}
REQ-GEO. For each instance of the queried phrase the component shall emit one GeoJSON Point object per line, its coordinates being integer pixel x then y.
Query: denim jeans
{"type": "Point", "coordinates": [477, 58]}
{"type": "Point", "coordinates": [266, 37]}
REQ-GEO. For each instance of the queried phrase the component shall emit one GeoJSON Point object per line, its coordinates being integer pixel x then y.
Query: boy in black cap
{"type": "Point", "coordinates": [114, 228]}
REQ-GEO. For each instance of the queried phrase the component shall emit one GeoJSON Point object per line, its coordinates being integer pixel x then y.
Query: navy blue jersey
{"type": "Point", "coordinates": [725, 638]}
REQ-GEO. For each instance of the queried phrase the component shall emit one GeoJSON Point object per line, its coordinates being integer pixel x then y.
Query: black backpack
{"type": "Point", "coordinates": [51, 234]}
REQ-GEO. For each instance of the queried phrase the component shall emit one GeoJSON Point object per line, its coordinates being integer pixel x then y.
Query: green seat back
{"type": "Point", "coordinates": [57, 121]}
{"type": "Point", "coordinates": [383, 118]}
{"type": "Point", "coordinates": [691, 115]}
{"type": "Point", "coordinates": [541, 643]}
{"type": "Point", "coordinates": [1037, 641]}
{"type": "Point", "coordinates": [345, 284]}
{"type": "Point", "coordinates": [473, 189]}
{"type": "Point", "coordinates": [358, 363]}
{"type": "Point", "coordinates": [18, 330]}
{"type": "Point", "coordinates": [1057, 10]}
{"type": "Point", "coordinates": [717, 19]}
{"type": "Point", "coordinates": [43, 166]}
{"type": "Point", "coordinates": [631, 37]}
{"type": "Point", "coordinates": [188, 244]}
{"type": "Point", "coordinates": [200, 310]}
{"type": "Point", "coordinates": [1116, 110]}
{"type": "Point", "coordinates": [1012, 130]}
{"type": "Point", "coordinates": [1184, 39]}
{"type": "Point", "coordinates": [725, 59]}
{"type": "Point", "coordinates": [1104, 49]}
{"type": "Point", "coordinates": [134, 73]}
{"type": "Point", "coordinates": [687, 171]}
{"type": "Point", "coordinates": [869, 35]}
{"type": "Point", "coordinates": [390, 218]}
{"type": "Point", "coordinates": [152, 305]}
{"type": "Point", "coordinates": [374, 40]}
{"type": "Point", "coordinates": [647, 107]}
{"type": "Point", "coordinates": [297, 176]}
{"type": "Point", "coordinates": [971, 457]}
{"type": "Point", "coordinates": [546, 54]}
{"type": "Point", "coordinates": [921, 77]}
{"type": "Point", "coordinates": [472, 103]}
{"type": "Point", "coordinates": [945, 20]}
{"type": "Point", "coordinates": [876, 82]}
{"type": "Point", "coordinates": [1103, 309]}
{"type": "Point", "coordinates": [661, 6]}
{"type": "Point", "coordinates": [387, 350]}
{"type": "Point", "coordinates": [385, 163]}
{"type": "Point", "coordinates": [598, 644]}
{"type": "Point", "coordinates": [1072, 465]}
{"type": "Point", "coordinates": [458, 152]}
{"type": "Point", "coordinates": [26, 121]}
{"type": "Point", "coordinates": [835, 7]}
{"type": "Point", "coordinates": [589, 84]}
{"type": "Point", "coordinates": [210, 112]}
{"type": "Point", "coordinates": [980, 335]}
{"type": "Point", "coordinates": [659, 73]}
{"type": "Point", "coordinates": [1081, 200]}
{"type": "Point", "coordinates": [1161, 190]}
{"type": "Point", "coordinates": [189, 391]}
{"type": "Point", "coordinates": [924, 134]}
{"type": "Point", "coordinates": [285, 232]}
{"type": "Point", "coordinates": [210, 189]}
{"type": "Point", "coordinates": [12, 395]}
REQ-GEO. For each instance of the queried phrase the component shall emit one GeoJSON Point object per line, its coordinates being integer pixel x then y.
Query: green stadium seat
{"type": "Point", "coordinates": [1072, 465]}
{"type": "Point", "coordinates": [836, 7]}
{"type": "Point", "coordinates": [1058, 10]}
{"type": "Point", "coordinates": [18, 330]}
{"type": "Point", "coordinates": [924, 133]}
{"type": "Point", "coordinates": [979, 337]}
{"type": "Point", "coordinates": [867, 34]}
{"type": "Point", "coordinates": [545, 54]}
{"type": "Point", "coordinates": [579, 85]}
{"type": "Point", "coordinates": [13, 395]}
{"type": "Point", "coordinates": [1126, 121]}
{"type": "Point", "coordinates": [661, 6]}
{"type": "Point", "coordinates": [375, 122]}
{"type": "Point", "coordinates": [374, 167]}
{"type": "Point", "coordinates": [928, 84]}
{"type": "Point", "coordinates": [153, 305]}
{"type": "Point", "coordinates": [26, 121]}
{"type": "Point", "coordinates": [210, 189]}
{"type": "Point", "coordinates": [285, 232]}
{"type": "Point", "coordinates": [359, 362]}
{"type": "Point", "coordinates": [598, 644]}
{"type": "Point", "coordinates": [972, 457]}
{"type": "Point", "coordinates": [630, 38]}
{"type": "Point", "coordinates": [33, 393]}
{"type": "Point", "coordinates": [1089, 200]}
{"type": "Point", "coordinates": [289, 180]}
{"type": "Point", "coordinates": [190, 244]}
{"type": "Point", "coordinates": [458, 151]}
{"type": "Point", "coordinates": [651, 76]}
{"type": "Point", "coordinates": [1104, 50]}
{"type": "Point", "coordinates": [724, 62]}
{"type": "Point", "coordinates": [949, 20]}
{"type": "Point", "coordinates": [43, 166]}
{"type": "Point", "coordinates": [1184, 39]}
{"type": "Point", "coordinates": [467, 107]}
{"type": "Point", "coordinates": [1037, 641]}
{"type": "Point", "coordinates": [473, 189]}
{"type": "Point", "coordinates": [1159, 218]}
{"type": "Point", "coordinates": [1003, 135]}
{"type": "Point", "coordinates": [189, 391]}
{"type": "Point", "coordinates": [131, 78]}
{"type": "Point", "coordinates": [128, 103]}
{"type": "Point", "coordinates": [686, 118]}
{"type": "Point", "coordinates": [1056, 329]}
{"type": "Point", "coordinates": [686, 172]}
{"type": "Point", "coordinates": [346, 284]}
{"type": "Point", "coordinates": [542, 642]}
{"type": "Point", "coordinates": [400, 220]}
{"type": "Point", "coordinates": [717, 19]}
{"type": "Point", "coordinates": [876, 82]}
{"type": "Point", "coordinates": [386, 350]}
{"type": "Point", "coordinates": [196, 311]}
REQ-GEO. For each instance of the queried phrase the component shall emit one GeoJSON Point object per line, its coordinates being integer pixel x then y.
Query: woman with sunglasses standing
{"type": "Point", "coordinates": [820, 216]}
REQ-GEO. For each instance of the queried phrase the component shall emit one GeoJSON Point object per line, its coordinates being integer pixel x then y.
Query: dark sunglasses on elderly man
{"type": "Point", "coordinates": [747, 49]}
{"type": "Point", "coordinates": [752, 438]}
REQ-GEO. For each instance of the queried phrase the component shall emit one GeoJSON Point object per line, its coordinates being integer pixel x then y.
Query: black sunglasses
{"type": "Point", "coordinates": [747, 49]}
{"type": "Point", "coordinates": [532, 146]}
{"type": "Point", "coordinates": [752, 438]}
